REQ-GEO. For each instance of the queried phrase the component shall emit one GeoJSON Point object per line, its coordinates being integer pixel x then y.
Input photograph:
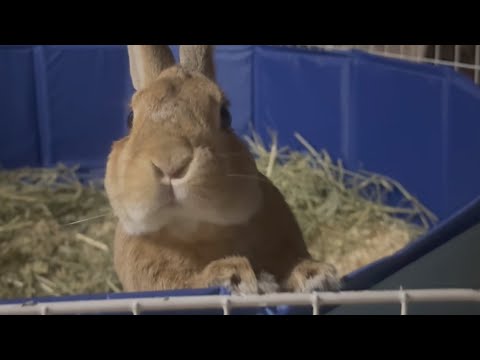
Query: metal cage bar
{"type": "Point", "coordinates": [229, 302]}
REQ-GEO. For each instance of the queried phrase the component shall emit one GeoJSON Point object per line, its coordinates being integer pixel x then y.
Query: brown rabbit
{"type": "Point", "coordinates": [193, 209]}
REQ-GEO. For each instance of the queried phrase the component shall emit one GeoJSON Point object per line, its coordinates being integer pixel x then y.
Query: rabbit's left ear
{"type": "Point", "coordinates": [147, 62]}
{"type": "Point", "coordinates": [198, 58]}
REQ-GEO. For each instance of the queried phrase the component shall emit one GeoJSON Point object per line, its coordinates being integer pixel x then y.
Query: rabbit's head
{"type": "Point", "coordinates": [181, 163]}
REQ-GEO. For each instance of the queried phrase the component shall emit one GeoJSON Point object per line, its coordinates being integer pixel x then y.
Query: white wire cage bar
{"type": "Point", "coordinates": [462, 58]}
{"type": "Point", "coordinates": [227, 303]}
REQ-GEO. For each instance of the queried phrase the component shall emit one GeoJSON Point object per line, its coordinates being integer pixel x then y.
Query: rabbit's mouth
{"type": "Point", "coordinates": [168, 200]}
{"type": "Point", "coordinates": [168, 196]}
{"type": "Point", "coordinates": [170, 203]}
{"type": "Point", "coordinates": [172, 195]}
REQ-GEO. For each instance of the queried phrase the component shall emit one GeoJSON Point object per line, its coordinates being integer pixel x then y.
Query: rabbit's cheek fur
{"type": "Point", "coordinates": [133, 193]}
{"type": "Point", "coordinates": [215, 197]}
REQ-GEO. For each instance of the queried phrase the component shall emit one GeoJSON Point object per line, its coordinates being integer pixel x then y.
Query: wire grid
{"type": "Point", "coordinates": [228, 302]}
{"type": "Point", "coordinates": [462, 58]}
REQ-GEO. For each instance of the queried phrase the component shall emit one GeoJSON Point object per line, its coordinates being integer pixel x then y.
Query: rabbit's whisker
{"type": "Point", "coordinates": [228, 154]}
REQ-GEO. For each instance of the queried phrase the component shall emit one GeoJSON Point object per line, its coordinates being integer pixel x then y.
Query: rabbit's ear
{"type": "Point", "coordinates": [198, 58]}
{"type": "Point", "coordinates": [147, 61]}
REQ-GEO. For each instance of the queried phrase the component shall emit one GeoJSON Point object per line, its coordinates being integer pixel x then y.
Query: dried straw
{"type": "Point", "coordinates": [41, 252]}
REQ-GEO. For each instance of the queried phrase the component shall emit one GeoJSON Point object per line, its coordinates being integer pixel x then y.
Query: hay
{"type": "Point", "coordinates": [56, 234]}
{"type": "Point", "coordinates": [41, 253]}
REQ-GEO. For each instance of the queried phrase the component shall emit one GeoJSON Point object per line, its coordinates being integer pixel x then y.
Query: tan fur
{"type": "Point", "coordinates": [147, 61]}
{"type": "Point", "coordinates": [198, 58]}
{"type": "Point", "coordinates": [193, 209]}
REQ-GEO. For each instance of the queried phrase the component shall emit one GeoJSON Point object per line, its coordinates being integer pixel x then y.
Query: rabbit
{"type": "Point", "coordinates": [193, 210]}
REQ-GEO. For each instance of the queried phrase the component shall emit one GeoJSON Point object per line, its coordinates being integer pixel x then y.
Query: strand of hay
{"type": "Point", "coordinates": [56, 233]}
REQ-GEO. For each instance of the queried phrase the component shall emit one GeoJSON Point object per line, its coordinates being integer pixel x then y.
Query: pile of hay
{"type": "Point", "coordinates": [41, 252]}
{"type": "Point", "coordinates": [56, 234]}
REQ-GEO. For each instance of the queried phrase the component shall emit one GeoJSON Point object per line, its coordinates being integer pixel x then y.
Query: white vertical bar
{"type": "Point", "coordinates": [456, 56]}
{"type": "Point", "coordinates": [136, 308]}
{"type": "Point", "coordinates": [226, 306]}
{"type": "Point", "coordinates": [436, 54]}
{"type": "Point", "coordinates": [386, 50]}
{"type": "Point", "coordinates": [316, 304]}
{"type": "Point", "coordinates": [44, 310]}
{"type": "Point", "coordinates": [477, 63]}
{"type": "Point", "coordinates": [418, 53]}
{"type": "Point", "coordinates": [403, 302]}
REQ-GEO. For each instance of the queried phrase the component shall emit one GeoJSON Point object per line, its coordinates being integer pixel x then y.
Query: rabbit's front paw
{"type": "Point", "coordinates": [310, 275]}
{"type": "Point", "coordinates": [233, 273]}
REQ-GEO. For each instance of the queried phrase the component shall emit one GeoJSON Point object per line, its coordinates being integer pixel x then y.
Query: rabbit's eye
{"type": "Point", "coordinates": [225, 118]}
{"type": "Point", "coordinates": [130, 120]}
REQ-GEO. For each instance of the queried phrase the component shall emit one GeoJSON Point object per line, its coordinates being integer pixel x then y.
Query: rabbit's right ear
{"type": "Point", "coordinates": [198, 58]}
{"type": "Point", "coordinates": [146, 63]}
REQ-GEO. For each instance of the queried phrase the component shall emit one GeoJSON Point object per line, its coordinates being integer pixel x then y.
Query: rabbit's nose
{"type": "Point", "coordinates": [172, 169]}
